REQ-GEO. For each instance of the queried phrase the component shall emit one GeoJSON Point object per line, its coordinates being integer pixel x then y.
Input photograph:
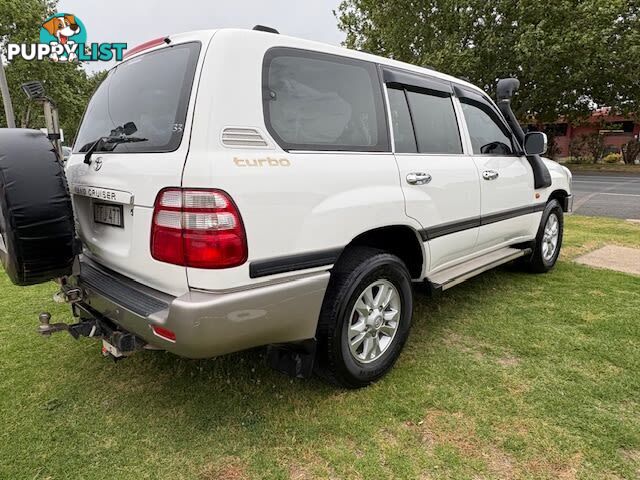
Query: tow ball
{"type": "Point", "coordinates": [45, 328]}
{"type": "Point", "coordinates": [67, 294]}
{"type": "Point", "coordinates": [85, 328]}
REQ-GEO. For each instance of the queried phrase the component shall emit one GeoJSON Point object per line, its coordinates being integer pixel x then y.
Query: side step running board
{"type": "Point", "coordinates": [452, 276]}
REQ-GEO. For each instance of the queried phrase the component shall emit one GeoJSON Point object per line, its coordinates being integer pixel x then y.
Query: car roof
{"type": "Point", "coordinates": [295, 42]}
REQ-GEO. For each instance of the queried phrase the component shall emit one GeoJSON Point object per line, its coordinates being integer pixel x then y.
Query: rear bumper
{"type": "Point", "coordinates": [207, 324]}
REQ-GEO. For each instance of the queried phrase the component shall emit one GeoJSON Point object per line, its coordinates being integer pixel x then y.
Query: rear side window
{"type": "Point", "coordinates": [434, 121]}
{"type": "Point", "coordinates": [489, 136]}
{"type": "Point", "coordinates": [316, 101]}
{"type": "Point", "coordinates": [403, 136]}
{"type": "Point", "coordinates": [151, 92]}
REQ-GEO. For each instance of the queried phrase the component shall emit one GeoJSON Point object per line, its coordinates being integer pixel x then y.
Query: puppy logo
{"type": "Point", "coordinates": [63, 38]}
{"type": "Point", "coordinates": [64, 30]}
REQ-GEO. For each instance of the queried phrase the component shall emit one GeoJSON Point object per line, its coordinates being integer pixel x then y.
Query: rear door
{"type": "Point", "coordinates": [145, 100]}
{"type": "Point", "coordinates": [440, 183]}
{"type": "Point", "coordinates": [506, 183]}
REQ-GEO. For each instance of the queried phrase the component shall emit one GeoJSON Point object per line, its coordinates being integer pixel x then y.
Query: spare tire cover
{"type": "Point", "coordinates": [37, 228]}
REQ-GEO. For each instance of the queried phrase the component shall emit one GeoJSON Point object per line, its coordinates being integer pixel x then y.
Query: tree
{"type": "Point", "coordinates": [587, 148]}
{"type": "Point", "coordinates": [20, 20]}
{"type": "Point", "coordinates": [569, 55]}
{"type": "Point", "coordinates": [594, 146]}
{"type": "Point", "coordinates": [553, 149]}
{"type": "Point", "coordinates": [68, 85]}
{"type": "Point", "coordinates": [631, 151]}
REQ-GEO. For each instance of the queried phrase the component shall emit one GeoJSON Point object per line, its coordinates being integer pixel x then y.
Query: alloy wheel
{"type": "Point", "coordinates": [374, 321]}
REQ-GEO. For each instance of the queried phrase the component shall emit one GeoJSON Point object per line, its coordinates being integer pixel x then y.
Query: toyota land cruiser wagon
{"type": "Point", "coordinates": [231, 189]}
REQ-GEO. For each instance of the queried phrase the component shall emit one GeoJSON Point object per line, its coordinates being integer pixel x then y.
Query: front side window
{"type": "Point", "coordinates": [488, 134]}
{"type": "Point", "coordinates": [145, 98]}
{"type": "Point", "coordinates": [316, 101]}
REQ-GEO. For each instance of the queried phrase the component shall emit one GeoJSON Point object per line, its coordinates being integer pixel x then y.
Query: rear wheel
{"type": "Point", "coordinates": [365, 318]}
{"type": "Point", "coordinates": [548, 240]}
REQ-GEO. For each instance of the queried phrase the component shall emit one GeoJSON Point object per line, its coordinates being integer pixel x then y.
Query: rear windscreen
{"type": "Point", "coordinates": [144, 99]}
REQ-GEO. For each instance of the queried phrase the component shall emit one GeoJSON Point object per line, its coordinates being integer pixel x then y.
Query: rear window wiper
{"type": "Point", "coordinates": [110, 140]}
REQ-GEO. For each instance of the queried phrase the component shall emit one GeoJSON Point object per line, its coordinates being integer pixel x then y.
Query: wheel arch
{"type": "Point", "coordinates": [561, 196]}
{"type": "Point", "coordinates": [401, 240]}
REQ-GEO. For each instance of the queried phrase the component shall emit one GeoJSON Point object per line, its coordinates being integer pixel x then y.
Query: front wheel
{"type": "Point", "coordinates": [548, 240]}
{"type": "Point", "coordinates": [365, 318]}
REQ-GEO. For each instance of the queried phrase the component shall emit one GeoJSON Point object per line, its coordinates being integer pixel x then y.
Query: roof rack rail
{"type": "Point", "coordinates": [263, 28]}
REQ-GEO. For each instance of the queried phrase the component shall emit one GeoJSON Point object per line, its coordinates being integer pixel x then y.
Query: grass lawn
{"type": "Point", "coordinates": [603, 168]}
{"type": "Point", "coordinates": [509, 375]}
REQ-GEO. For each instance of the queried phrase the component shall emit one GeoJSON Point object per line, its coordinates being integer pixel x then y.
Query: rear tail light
{"type": "Point", "coordinates": [197, 228]}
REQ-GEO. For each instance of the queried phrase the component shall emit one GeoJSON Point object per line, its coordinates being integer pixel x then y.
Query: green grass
{"type": "Point", "coordinates": [603, 168]}
{"type": "Point", "coordinates": [509, 375]}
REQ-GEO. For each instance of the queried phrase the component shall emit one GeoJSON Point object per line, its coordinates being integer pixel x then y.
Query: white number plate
{"type": "Point", "coordinates": [107, 349]}
{"type": "Point", "coordinates": [108, 214]}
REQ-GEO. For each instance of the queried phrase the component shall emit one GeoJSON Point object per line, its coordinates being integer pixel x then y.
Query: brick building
{"type": "Point", "coordinates": [616, 129]}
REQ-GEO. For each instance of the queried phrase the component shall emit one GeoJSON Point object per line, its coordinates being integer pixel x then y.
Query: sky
{"type": "Point", "coordinates": [135, 22]}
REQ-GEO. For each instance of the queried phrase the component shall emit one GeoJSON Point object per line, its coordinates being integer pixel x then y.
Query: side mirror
{"type": "Point", "coordinates": [535, 143]}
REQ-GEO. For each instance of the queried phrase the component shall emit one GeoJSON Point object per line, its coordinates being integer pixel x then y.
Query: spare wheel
{"type": "Point", "coordinates": [37, 232]}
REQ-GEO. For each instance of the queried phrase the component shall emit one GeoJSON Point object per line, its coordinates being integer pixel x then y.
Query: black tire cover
{"type": "Point", "coordinates": [36, 216]}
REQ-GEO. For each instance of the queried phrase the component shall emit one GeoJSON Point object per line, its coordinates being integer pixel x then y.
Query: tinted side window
{"type": "Point", "coordinates": [315, 101]}
{"type": "Point", "coordinates": [488, 134]}
{"type": "Point", "coordinates": [434, 122]}
{"type": "Point", "coordinates": [403, 136]}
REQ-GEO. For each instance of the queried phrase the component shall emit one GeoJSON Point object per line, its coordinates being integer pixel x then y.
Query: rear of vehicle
{"type": "Point", "coordinates": [115, 189]}
{"type": "Point", "coordinates": [165, 258]}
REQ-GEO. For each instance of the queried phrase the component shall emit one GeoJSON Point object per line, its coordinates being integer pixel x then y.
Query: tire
{"type": "Point", "coordinates": [540, 260]}
{"type": "Point", "coordinates": [359, 269]}
{"type": "Point", "coordinates": [36, 218]}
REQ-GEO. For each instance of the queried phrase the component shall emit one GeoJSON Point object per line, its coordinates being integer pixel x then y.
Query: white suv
{"type": "Point", "coordinates": [236, 188]}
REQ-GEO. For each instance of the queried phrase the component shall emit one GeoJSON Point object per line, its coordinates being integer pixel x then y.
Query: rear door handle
{"type": "Point", "coordinates": [490, 174]}
{"type": "Point", "coordinates": [418, 178]}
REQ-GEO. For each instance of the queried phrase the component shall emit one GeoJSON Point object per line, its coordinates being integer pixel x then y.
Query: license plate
{"type": "Point", "coordinates": [108, 214]}
{"type": "Point", "coordinates": [108, 349]}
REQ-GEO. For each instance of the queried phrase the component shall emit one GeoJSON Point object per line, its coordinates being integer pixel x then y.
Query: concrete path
{"type": "Point", "coordinates": [622, 259]}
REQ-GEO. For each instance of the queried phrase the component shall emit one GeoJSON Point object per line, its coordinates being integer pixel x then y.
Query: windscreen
{"type": "Point", "coordinates": [145, 100]}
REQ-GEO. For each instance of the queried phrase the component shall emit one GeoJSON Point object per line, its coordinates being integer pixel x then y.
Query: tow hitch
{"type": "Point", "coordinates": [45, 328]}
{"type": "Point", "coordinates": [116, 343]}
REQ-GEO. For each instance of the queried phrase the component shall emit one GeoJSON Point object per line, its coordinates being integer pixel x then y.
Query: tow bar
{"type": "Point", "coordinates": [85, 328]}
{"type": "Point", "coordinates": [116, 343]}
